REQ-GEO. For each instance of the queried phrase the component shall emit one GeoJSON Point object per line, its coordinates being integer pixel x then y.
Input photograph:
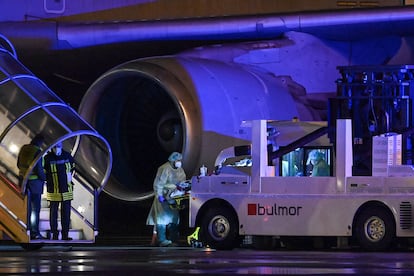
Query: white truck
{"type": "Point", "coordinates": [283, 200]}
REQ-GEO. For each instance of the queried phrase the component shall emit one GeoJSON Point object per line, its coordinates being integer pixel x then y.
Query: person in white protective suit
{"type": "Point", "coordinates": [166, 219]}
{"type": "Point", "coordinates": [319, 165]}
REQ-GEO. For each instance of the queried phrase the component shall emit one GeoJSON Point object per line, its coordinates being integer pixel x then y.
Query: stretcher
{"type": "Point", "coordinates": [177, 195]}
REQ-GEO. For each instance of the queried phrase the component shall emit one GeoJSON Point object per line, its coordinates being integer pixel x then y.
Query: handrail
{"type": "Point", "coordinates": [86, 201]}
{"type": "Point", "coordinates": [10, 184]}
{"type": "Point", "coordinates": [13, 211]}
{"type": "Point", "coordinates": [13, 215]}
{"type": "Point", "coordinates": [299, 142]}
{"type": "Point", "coordinates": [84, 219]}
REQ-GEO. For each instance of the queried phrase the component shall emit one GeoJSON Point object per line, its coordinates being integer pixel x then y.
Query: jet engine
{"type": "Point", "coordinates": [148, 108]}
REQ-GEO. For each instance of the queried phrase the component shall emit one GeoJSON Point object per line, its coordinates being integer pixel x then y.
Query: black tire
{"type": "Point", "coordinates": [375, 229]}
{"type": "Point", "coordinates": [219, 229]}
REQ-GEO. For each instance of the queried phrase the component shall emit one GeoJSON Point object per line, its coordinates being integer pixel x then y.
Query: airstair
{"type": "Point", "coordinates": [27, 108]}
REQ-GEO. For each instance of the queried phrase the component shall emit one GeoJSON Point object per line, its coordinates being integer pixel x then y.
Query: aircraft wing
{"type": "Point", "coordinates": [334, 25]}
{"type": "Point", "coordinates": [350, 24]}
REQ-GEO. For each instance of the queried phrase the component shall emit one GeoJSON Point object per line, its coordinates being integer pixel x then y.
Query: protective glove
{"type": "Point", "coordinates": [161, 198]}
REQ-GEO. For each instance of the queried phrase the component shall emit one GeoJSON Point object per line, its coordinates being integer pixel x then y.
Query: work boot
{"type": "Point", "coordinates": [37, 237]}
{"type": "Point", "coordinates": [173, 232]}
{"type": "Point", "coordinates": [55, 236]}
{"type": "Point", "coordinates": [161, 235]}
{"type": "Point", "coordinates": [165, 243]}
{"type": "Point", "coordinates": [65, 237]}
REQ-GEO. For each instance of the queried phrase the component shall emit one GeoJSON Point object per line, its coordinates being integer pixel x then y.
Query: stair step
{"type": "Point", "coordinates": [44, 226]}
{"type": "Point", "coordinates": [44, 203]}
{"type": "Point", "coordinates": [44, 214]}
{"type": "Point", "coordinates": [73, 233]}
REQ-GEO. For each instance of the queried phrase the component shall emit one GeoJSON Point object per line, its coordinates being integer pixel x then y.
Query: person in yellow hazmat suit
{"type": "Point", "coordinates": [165, 219]}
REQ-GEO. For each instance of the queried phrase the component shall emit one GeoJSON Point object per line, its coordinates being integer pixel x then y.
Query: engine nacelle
{"type": "Point", "coordinates": [149, 107]}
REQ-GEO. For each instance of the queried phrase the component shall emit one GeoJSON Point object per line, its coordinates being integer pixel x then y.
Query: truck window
{"type": "Point", "coordinates": [292, 163]}
{"type": "Point", "coordinates": [307, 161]}
{"type": "Point", "coordinates": [317, 163]}
{"type": "Point", "coordinates": [237, 165]}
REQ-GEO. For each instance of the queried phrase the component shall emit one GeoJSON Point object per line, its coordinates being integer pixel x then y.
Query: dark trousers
{"type": "Point", "coordinates": [34, 213]}
{"type": "Point", "coordinates": [64, 217]}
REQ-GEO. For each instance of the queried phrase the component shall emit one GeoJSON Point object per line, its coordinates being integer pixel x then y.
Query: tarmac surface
{"type": "Point", "coordinates": [141, 259]}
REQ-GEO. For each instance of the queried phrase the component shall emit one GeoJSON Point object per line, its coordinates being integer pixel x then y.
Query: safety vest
{"type": "Point", "coordinates": [26, 156]}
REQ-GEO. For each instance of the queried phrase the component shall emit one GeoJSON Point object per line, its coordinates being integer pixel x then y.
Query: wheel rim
{"type": "Point", "coordinates": [374, 229]}
{"type": "Point", "coordinates": [219, 227]}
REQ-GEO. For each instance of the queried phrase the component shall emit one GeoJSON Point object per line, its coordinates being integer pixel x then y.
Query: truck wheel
{"type": "Point", "coordinates": [375, 229]}
{"type": "Point", "coordinates": [219, 229]}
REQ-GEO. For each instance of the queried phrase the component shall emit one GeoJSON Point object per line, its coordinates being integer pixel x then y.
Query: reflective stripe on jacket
{"type": "Point", "coordinates": [57, 169]}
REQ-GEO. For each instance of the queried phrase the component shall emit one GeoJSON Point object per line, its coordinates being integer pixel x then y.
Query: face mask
{"type": "Point", "coordinates": [178, 164]}
{"type": "Point", "coordinates": [57, 150]}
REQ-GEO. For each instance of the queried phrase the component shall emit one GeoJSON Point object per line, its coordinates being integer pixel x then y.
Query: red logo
{"type": "Point", "coordinates": [251, 209]}
{"type": "Point", "coordinates": [257, 209]}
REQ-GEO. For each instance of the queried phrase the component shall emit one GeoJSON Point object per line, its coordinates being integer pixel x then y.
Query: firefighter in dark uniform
{"type": "Point", "coordinates": [59, 166]}
{"type": "Point", "coordinates": [35, 182]}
